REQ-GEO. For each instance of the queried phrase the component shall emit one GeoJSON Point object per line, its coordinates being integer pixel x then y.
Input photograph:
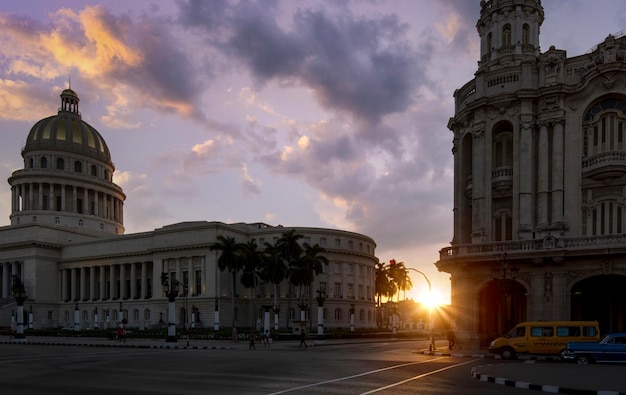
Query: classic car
{"type": "Point", "coordinates": [611, 348]}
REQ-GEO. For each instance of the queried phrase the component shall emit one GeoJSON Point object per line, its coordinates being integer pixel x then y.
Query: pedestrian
{"type": "Point", "coordinates": [303, 339]}
{"type": "Point", "coordinates": [235, 334]}
{"type": "Point", "coordinates": [251, 337]}
{"type": "Point", "coordinates": [266, 338]}
{"type": "Point", "coordinates": [119, 333]}
{"type": "Point", "coordinates": [451, 338]}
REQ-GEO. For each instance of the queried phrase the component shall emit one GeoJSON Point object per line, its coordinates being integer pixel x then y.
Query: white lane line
{"type": "Point", "coordinates": [417, 377]}
{"type": "Point", "coordinates": [353, 376]}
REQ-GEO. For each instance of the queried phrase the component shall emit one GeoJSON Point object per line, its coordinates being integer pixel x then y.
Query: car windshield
{"type": "Point", "coordinates": [603, 340]}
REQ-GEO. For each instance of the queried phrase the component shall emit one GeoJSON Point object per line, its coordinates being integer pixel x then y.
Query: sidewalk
{"type": "Point", "coordinates": [545, 374]}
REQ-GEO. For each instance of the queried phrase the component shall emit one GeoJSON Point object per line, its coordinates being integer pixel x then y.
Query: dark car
{"type": "Point", "coordinates": [611, 348]}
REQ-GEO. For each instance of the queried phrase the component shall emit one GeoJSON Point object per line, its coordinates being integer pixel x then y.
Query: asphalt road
{"type": "Point", "coordinates": [283, 368]}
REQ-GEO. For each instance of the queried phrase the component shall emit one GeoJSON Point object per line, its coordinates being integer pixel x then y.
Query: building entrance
{"type": "Point", "coordinates": [603, 299]}
{"type": "Point", "coordinates": [502, 305]}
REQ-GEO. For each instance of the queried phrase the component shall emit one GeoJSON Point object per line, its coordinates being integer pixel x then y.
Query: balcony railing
{"type": "Point", "coordinates": [538, 245]}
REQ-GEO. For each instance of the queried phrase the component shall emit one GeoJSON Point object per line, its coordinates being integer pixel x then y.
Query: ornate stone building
{"type": "Point", "coordinates": [540, 174]}
{"type": "Point", "coordinates": [66, 242]}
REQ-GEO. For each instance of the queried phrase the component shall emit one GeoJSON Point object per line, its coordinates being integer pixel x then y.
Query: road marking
{"type": "Point", "coordinates": [417, 377]}
{"type": "Point", "coordinates": [354, 376]}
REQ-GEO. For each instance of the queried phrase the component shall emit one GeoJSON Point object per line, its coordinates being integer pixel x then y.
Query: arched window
{"type": "Point", "coordinates": [78, 166]}
{"type": "Point", "coordinates": [60, 164]}
{"type": "Point", "coordinates": [503, 149]}
{"type": "Point", "coordinates": [525, 34]}
{"type": "Point", "coordinates": [338, 314]}
{"type": "Point", "coordinates": [361, 315]}
{"type": "Point", "coordinates": [603, 127]}
{"type": "Point", "coordinates": [94, 170]}
{"type": "Point", "coordinates": [31, 163]}
{"type": "Point", "coordinates": [506, 35]}
{"type": "Point", "coordinates": [44, 163]}
{"type": "Point", "coordinates": [146, 314]}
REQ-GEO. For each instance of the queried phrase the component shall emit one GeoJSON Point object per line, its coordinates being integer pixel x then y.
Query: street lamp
{"type": "Point", "coordinates": [171, 289]}
{"type": "Point", "coordinates": [19, 292]}
{"type": "Point", "coordinates": [430, 310]}
{"type": "Point", "coordinates": [352, 317]}
{"type": "Point", "coordinates": [321, 297]}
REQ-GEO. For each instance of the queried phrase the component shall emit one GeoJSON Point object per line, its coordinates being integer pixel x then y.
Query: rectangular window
{"type": "Point", "coordinates": [337, 290]}
{"type": "Point", "coordinates": [322, 241]}
{"type": "Point", "coordinates": [44, 202]}
{"type": "Point", "coordinates": [338, 243]}
{"type": "Point", "coordinates": [351, 291]}
{"type": "Point", "coordinates": [541, 331]}
{"type": "Point", "coordinates": [565, 331]}
{"type": "Point", "coordinates": [197, 289]}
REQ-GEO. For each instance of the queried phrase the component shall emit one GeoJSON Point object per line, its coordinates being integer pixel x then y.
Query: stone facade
{"type": "Point", "coordinates": [539, 189]}
{"type": "Point", "coordinates": [66, 242]}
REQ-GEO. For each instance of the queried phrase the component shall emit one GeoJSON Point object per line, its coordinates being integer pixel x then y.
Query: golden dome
{"type": "Point", "coordinates": [66, 131]}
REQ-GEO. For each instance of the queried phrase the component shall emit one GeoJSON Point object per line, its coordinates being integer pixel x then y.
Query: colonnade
{"type": "Point", "coordinates": [54, 197]}
{"type": "Point", "coordinates": [107, 282]}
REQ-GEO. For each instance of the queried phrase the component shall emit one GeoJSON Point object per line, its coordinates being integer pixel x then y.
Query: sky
{"type": "Point", "coordinates": [309, 113]}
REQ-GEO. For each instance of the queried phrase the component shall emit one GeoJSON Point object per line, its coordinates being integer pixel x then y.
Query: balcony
{"type": "Point", "coordinates": [592, 244]}
{"type": "Point", "coordinates": [605, 165]}
{"type": "Point", "coordinates": [502, 178]}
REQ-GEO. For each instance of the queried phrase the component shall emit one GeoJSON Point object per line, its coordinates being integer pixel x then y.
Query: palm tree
{"type": "Point", "coordinates": [251, 270]}
{"type": "Point", "coordinates": [290, 250]}
{"type": "Point", "coordinates": [400, 277]}
{"type": "Point", "coordinates": [304, 269]}
{"type": "Point", "coordinates": [230, 259]}
{"type": "Point", "coordinates": [384, 287]}
{"type": "Point", "coordinates": [273, 270]}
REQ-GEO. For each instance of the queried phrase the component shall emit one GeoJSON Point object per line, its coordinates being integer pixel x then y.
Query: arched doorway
{"type": "Point", "coordinates": [601, 298]}
{"type": "Point", "coordinates": [502, 305]}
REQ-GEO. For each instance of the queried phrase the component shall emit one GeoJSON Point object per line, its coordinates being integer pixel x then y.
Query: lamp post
{"type": "Point", "coordinates": [352, 317]}
{"type": "Point", "coordinates": [96, 321]}
{"type": "Point", "coordinates": [321, 297]}
{"type": "Point", "coordinates": [76, 318]}
{"type": "Point", "coordinates": [430, 310]}
{"type": "Point", "coordinates": [19, 292]}
{"type": "Point", "coordinates": [30, 317]}
{"type": "Point", "coordinates": [170, 289]}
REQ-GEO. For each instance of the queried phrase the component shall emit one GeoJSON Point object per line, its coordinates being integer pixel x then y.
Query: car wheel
{"type": "Point", "coordinates": [583, 360]}
{"type": "Point", "coordinates": [507, 353]}
{"type": "Point", "coordinates": [562, 355]}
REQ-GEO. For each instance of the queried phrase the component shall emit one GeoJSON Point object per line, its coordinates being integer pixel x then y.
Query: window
{"type": "Point", "coordinates": [146, 314]}
{"type": "Point", "coordinates": [338, 243]}
{"type": "Point", "coordinates": [322, 241]}
{"type": "Point", "coordinates": [590, 331]}
{"type": "Point", "coordinates": [541, 331]}
{"type": "Point", "coordinates": [525, 34]}
{"type": "Point", "coordinates": [60, 164]}
{"type": "Point", "coordinates": [78, 166]}
{"type": "Point", "coordinates": [506, 35]}
{"type": "Point", "coordinates": [337, 290]}
{"type": "Point", "coordinates": [198, 282]}
{"type": "Point", "coordinates": [44, 163]}
{"type": "Point", "coordinates": [337, 267]}
{"type": "Point", "coordinates": [338, 315]}
{"type": "Point", "coordinates": [565, 331]}
{"type": "Point", "coordinates": [94, 170]}
{"type": "Point", "coordinates": [351, 291]}
{"type": "Point", "coordinates": [351, 244]}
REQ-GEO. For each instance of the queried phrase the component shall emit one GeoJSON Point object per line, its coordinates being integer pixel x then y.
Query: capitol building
{"type": "Point", "coordinates": [539, 146]}
{"type": "Point", "coordinates": [66, 244]}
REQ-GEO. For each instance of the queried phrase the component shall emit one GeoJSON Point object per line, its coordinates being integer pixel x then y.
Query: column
{"type": "Point", "coordinates": [92, 283]}
{"type": "Point", "coordinates": [62, 208]}
{"type": "Point", "coordinates": [133, 281]}
{"type": "Point", "coordinates": [5, 280]}
{"type": "Point", "coordinates": [557, 172]}
{"type": "Point", "coordinates": [478, 177]}
{"type": "Point", "coordinates": [144, 280]}
{"type": "Point", "coordinates": [525, 170]}
{"type": "Point", "coordinates": [75, 199]}
{"type": "Point", "coordinates": [86, 201]}
{"type": "Point", "coordinates": [64, 294]}
{"type": "Point", "coordinates": [31, 196]}
{"type": "Point", "coordinates": [102, 290]}
{"type": "Point", "coordinates": [112, 282]}
{"type": "Point", "coordinates": [51, 199]}
{"type": "Point", "coordinates": [40, 197]}
{"type": "Point", "coordinates": [543, 175]}
{"type": "Point", "coordinates": [82, 284]}
{"type": "Point", "coordinates": [96, 204]}
{"type": "Point", "coordinates": [73, 295]}
{"type": "Point", "coordinates": [123, 281]}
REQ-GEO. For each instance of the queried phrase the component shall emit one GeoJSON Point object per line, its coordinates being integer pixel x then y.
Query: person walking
{"type": "Point", "coordinates": [251, 337]}
{"type": "Point", "coordinates": [451, 338]}
{"type": "Point", "coordinates": [303, 339]}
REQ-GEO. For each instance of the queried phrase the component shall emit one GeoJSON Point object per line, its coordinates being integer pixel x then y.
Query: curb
{"type": "Point", "coordinates": [537, 387]}
{"type": "Point", "coordinates": [144, 346]}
